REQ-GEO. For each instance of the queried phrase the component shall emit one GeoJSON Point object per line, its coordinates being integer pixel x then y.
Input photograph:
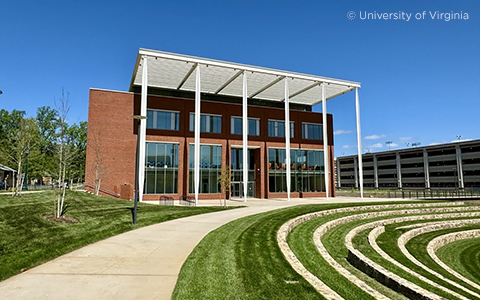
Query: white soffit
{"type": "Point", "coordinates": [176, 72]}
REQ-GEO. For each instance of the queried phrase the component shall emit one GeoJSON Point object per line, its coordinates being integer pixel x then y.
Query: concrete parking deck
{"type": "Point", "coordinates": [139, 264]}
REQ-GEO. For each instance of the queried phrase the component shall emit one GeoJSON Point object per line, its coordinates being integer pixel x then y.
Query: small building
{"type": "Point", "coordinates": [192, 116]}
{"type": "Point", "coordinates": [7, 175]}
{"type": "Point", "coordinates": [450, 165]}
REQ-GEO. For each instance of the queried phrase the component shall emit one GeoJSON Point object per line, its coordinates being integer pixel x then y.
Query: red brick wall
{"type": "Point", "coordinates": [111, 127]}
{"type": "Point", "coordinates": [111, 130]}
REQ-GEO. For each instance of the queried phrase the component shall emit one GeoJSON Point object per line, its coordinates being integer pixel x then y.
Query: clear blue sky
{"type": "Point", "coordinates": [420, 78]}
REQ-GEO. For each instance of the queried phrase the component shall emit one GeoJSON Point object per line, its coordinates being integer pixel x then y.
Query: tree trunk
{"type": "Point", "coordinates": [19, 180]}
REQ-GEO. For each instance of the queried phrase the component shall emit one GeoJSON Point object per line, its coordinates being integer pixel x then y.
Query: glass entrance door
{"type": "Point", "coordinates": [236, 167]}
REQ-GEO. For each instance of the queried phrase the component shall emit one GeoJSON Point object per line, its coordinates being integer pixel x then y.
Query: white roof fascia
{"type": "Point", "coordinates": [236, 66]}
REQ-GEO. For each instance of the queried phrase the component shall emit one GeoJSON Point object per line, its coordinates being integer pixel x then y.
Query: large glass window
{"type": "Point", "coordinates": [208, 123]}
{"type": "Point", "coordinates": [210, 168]}
{"type": "Point", "coordinates": [306, 171]}
{"type": "Point", "coordinates": [161, 119]}
{"type": "Point", "coordinates": [161, 168]}
{"type": "Point", "coordinates": [312, 131]}
{"type": "Point", "coordinates": [277, 128]}
{"type": "Point", "coordinates": [253, 126]}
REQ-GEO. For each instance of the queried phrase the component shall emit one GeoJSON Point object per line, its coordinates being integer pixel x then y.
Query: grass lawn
{"type": "Point", "coordinates": [464, 257]}
{"type": "Point", "coordinates": [242, 260]}
{"type": "Point", "coordinates": [418, 244]}
{"type": "Point", "coordinates": [27, 239]}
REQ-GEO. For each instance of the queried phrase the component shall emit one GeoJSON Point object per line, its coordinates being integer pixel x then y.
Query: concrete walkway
{"type": "Point", "coordinates": [139, 264]}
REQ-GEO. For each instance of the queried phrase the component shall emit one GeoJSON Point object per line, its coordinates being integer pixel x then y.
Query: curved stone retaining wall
{"type": "Point", "coordinates": [319, 285]}
{"type": "Point", "coordinates": [443, 240]}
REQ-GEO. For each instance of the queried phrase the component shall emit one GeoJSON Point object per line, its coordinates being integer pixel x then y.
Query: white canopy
{"type": "Point", "coordinates": [176, 72]}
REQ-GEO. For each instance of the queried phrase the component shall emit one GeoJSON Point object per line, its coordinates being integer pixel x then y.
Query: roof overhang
{"type": "Point", "coordinates": [5, 168]}
{"type": "Point", "coordinates": [176, 72]}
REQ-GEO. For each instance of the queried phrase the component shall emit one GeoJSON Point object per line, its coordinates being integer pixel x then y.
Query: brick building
{"type": "Point", "coordinates": [243, 112]}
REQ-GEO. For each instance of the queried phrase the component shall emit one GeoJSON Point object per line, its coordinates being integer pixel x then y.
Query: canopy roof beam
{"type": "Point", "coordinates": [304, 90]}
{"type": "Point", "coordinates": [229, 81]}
{"type": "Point", "coordinates": [267, 86]}
{"type": "Point", "coordinates": [187, 76]}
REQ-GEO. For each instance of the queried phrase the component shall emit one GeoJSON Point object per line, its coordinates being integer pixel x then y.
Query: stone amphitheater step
{"type": "Point", "coordinates": [443, 240]}
{"type": "Point", "coordinates": [320, 286]}
{"type": "Point", "coordinates": [320, 232]}
{"type": "Point", "coordinates": [407, 236]}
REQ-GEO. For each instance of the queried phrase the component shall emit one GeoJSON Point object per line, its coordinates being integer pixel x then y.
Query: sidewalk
{"type": "Point", "coordinates": [139, 264]}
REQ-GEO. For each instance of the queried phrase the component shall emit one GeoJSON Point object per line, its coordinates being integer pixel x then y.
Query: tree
{"type": "Point", "coordinates": [18, 136]}
{"type": "Point", "coordinates": [98, 166]}
{"type": "Point", "coordinates": [9, 123]}
{"type": "Point", "coordinates": [225, 181]}
{"type": "Point", "coordinates": [47, 120]}
{"type": "Point", "coordinates": [64, 151]}
{"type": "Point", "coordinates": [78, 136]}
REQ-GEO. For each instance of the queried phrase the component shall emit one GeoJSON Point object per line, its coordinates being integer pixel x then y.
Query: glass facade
{"type": "Point", "coordinates": [161, 168]}
{"type": "Point", "coordinates": [307, 170]}
{"type": "Point", "coordinates": [208, 123]}
{"type": "Point", "coordinates": [277, 128]}
{"type": "Point", "coordinates": [253, 126]}
{"type": "Point", "coordinates": [312, 131]}
{"type": "Point", "coordinates": [210, 168]}
{"type": "Point", "coordinates": [161, 119]}
{"type": "Point", "coordinates": [236, 168]}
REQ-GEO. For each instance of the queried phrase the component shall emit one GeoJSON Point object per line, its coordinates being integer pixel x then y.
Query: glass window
{"type": "Point", "coordinates": [312, 131]}
{"type": "Point", "coordinates": [161, 119]}
{"type": "Point", "coordinates": [237, 127]}
{"type": "Point", "coordinates": [277, 128]}
{"type": "Point", "coordinates": [306, 170]}
{"type": "Point", "coordinates": [208, 123]}
{"type": "Point", "coordinates": [210, 168]}
{"type": "Point", "coordinates": [161, 168]}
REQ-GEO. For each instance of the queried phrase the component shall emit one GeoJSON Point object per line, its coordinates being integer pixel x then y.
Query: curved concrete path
{"type": "Point", "coordinates": [139, 264]}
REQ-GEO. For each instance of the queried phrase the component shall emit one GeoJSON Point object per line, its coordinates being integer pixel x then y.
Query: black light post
{"type": "Point", "coordinates": [137, 184]}
{"type": "Point", "coordinates": [25, 180]}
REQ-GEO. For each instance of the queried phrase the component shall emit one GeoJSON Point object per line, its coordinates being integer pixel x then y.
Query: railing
{"type": "Point", "coordinates": [166, 200]}
{"type": "Point", "coordinates": [434, 194]}
{"type": "Point", "coordinates": [187, 200]}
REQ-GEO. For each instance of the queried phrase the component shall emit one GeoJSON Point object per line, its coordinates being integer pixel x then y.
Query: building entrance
{"type": "Point", "coordinates": [236, 167]}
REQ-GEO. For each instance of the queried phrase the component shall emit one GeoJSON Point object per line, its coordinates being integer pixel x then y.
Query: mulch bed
{"type": "Point", "coordinates": [62, 219]}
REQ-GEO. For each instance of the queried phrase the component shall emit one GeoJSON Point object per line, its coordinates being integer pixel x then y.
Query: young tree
{"type": "Point", "coordinates": [225, 180]}
{"type": "Point", "coordinates": [64, 150]}
{"type": "Point", "coordinates": [98, 167]}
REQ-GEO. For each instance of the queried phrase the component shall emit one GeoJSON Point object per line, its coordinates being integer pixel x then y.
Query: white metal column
{"type": "Point", "coordinates": [339, 174]}
{"type": "Point", "coordinates": [399, 170]}
{"type": "Point", "coordinates": [245, 136]}
{"type": "Point", "coordinates": [359, 143]}
{"type": "Point", "coordinates": [355, 172]}
{"type": "Point", "coordinates": [375, 171]}
{"type": "Point", "coordinates": [325, 143]}
{"type": "Point", "coordinates": [458, 156]}
{"type": "Point", "coordinates": [196, 162]}
{"type": "Point", "coordinates": [287, 137]}
{"type": "Point", "coordinates": [143, 129]}
{"type": "Point", "coordinates": [426, 169]}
